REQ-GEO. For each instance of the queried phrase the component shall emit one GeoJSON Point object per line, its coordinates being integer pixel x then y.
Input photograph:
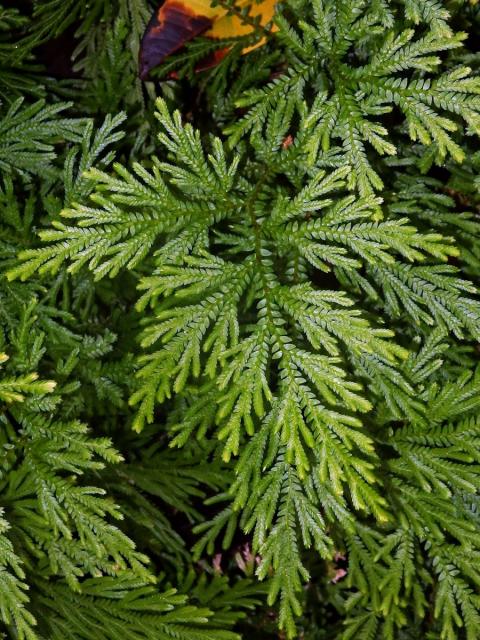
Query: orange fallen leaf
{"type": "Point", "coordinates": [175, 22]}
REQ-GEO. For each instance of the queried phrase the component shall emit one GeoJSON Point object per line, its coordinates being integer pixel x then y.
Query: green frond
{"type": "Point", "coordinates": [119, 604]}
{"type": "Point", "coordinates": [28, 135]}
{"type": "Point", "coordinates": [239, 322]}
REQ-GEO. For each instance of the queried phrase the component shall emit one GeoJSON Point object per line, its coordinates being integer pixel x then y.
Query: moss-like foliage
{"type": "Point", "coordinates": [239, 325]}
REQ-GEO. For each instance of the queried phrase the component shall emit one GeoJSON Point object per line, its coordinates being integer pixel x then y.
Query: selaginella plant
{"type": "Point", "coordinates": [269, 299]}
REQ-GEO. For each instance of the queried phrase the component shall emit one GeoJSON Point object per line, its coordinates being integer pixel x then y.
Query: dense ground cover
{"type": "Point", "coordinates": [239, 324]}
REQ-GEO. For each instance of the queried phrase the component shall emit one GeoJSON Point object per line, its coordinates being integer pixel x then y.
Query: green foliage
{"type": "Point", "coordinates": [107, 607]}
{"type": "Point", "coordinates": [17, 73]}
{"type": "Point", "coordinates": [28, 135]}
{"type": "Point", "coordinates": [239, 388]}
